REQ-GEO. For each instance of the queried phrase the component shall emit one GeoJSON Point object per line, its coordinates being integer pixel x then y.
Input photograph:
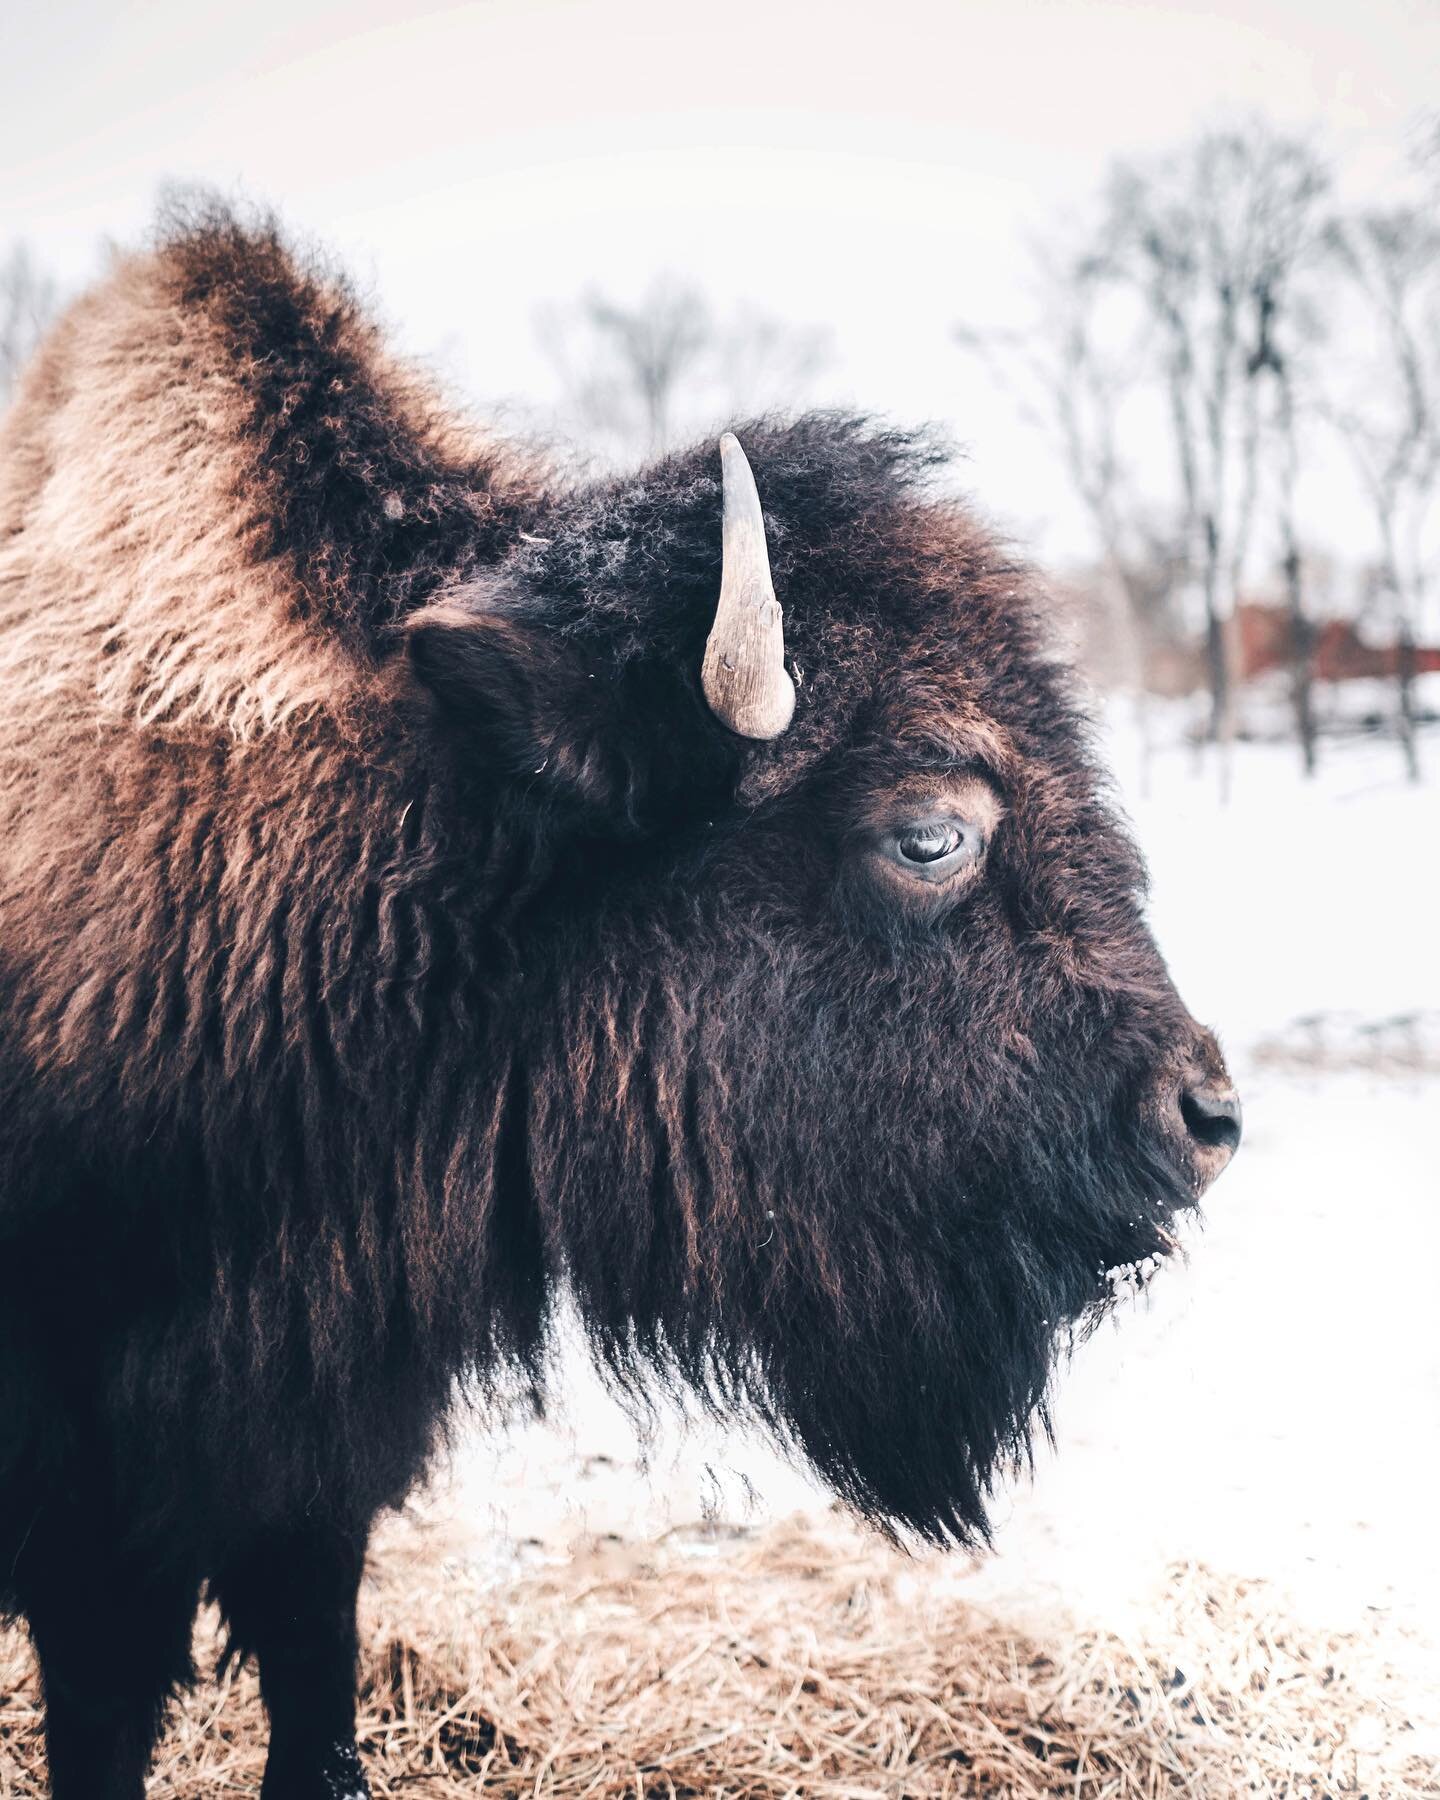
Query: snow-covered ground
{"type": "Point", "coordinates": [1273, 1406]}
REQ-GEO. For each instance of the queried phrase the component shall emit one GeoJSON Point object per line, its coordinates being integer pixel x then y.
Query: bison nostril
{"type": "Point", "coordinates": [1212, 1116]}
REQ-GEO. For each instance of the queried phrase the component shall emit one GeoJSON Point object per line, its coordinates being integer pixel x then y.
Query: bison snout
{"type": "Point", "coordinates": [1212, 1115]}
{"type": "Point", "coordinates": [1207, 1119]}
{"type": "Point", "coordinates": [1196, 1108]}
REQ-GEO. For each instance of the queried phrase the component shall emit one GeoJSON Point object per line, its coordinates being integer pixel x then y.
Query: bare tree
{"type": "Point", "coordinates": [763, 362]}
{"type": "Point", "coordinates": [637, 376]}
{"type": "Point", "coordinates": [1385, 403]}
{"type": "Point", "coordinates": [1286, 328]}
{"type": "Point", "coordinates": [1269, 355]}
{"type": "Point", "coordinates": [622, 365]}
{"type": "Point", "coordinates": [1209, 238]}
{"type": "Point", "coordinates": [1182, 298]}
{"type": "Point", "coordinates": [1071, 374]}
{"type": "Point", "coordinates": [28, 302]}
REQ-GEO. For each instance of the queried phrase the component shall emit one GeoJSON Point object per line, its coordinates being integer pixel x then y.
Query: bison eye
{"type": "Point", "coordinates": [928, 843]}
{"type": "Point", "coordinates": [934, 849]}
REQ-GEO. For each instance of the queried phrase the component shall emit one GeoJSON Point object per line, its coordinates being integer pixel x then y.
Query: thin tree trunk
{"type": "Point", "coordinates": [1405, 694]}
{"type": "Point", "coordinates": [1217, 664]}
{"type": "Point", "coordinates": [1302, 653]}
{"type": "Point", "coordinates": [1215, 656]}
{"type": "Point", "coordinates": [1404, 648]}
{"type": "Point", "coordinates": [1222, 656]}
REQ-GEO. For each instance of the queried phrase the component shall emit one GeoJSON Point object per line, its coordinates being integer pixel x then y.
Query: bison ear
{"type": "Point", "coordinates": [529, 704]}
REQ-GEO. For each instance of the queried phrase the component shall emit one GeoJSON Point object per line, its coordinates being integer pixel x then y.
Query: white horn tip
{"type": "Point", "coordinates": [748, 711]}
{"type": "Point", "coordinates": [744, 676]}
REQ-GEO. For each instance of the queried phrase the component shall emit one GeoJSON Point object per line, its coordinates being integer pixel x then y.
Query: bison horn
{"type": "Point", "coordinates": [744, 675]}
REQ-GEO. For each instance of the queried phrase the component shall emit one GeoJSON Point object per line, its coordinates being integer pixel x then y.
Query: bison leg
{"type": "Point", "coordinates": [290, 1602]}
{"type": "Point", "coordinates": [113, 1643]}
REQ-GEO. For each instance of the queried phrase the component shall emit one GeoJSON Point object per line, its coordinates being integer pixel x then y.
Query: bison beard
{"type": "Point", "coordinates": [392, 937]}
{"type": "Point", "coordinates": [899, 1325]}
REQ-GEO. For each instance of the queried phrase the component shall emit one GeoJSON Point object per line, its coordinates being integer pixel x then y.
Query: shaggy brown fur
{"type": "Point", "coordinates": [389, 935]}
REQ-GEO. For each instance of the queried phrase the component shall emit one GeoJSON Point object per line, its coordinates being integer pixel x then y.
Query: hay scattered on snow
{"type": "Point", "coordinates": [804, 1661]}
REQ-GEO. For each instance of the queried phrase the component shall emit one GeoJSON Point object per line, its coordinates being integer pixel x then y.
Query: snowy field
{"type": "Point", "coordinates": [1271, 1407]}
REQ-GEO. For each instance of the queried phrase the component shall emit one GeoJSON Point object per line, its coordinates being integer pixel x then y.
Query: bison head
{"type": "Point", "coordinates": [850, 1068]}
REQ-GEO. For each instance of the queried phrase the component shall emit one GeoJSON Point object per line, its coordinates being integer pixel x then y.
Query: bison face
{"type": "Point", "coordinates": [852, 1073]}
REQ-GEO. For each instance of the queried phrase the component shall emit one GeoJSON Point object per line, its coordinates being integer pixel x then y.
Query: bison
{"type": "Point", "coordinates": [430, 887]}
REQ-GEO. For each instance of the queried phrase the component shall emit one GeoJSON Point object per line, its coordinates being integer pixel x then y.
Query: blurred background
{"type": "Point", "coordinates": [1167, 274]}
{"type": "Point", "coordinates": [1169, 278]}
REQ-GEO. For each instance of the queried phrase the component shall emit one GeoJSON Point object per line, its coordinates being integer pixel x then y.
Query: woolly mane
{"type": "Point", "coordinates": [219, 490]}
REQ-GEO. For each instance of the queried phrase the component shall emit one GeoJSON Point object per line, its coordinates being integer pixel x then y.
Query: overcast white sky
{"type": "Point", "coordinates": [873, 166]}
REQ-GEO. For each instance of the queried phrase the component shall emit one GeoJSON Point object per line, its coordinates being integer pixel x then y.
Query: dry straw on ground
{"type": "Point", "coordinates": [805, 1662]}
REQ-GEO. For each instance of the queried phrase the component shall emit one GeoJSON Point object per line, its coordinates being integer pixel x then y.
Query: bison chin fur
{"type": "Point", "coordinates": [890, 1306]}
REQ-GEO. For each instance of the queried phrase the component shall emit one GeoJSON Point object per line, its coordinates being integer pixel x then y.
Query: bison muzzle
{"type": "Point", "coordinates": [429, 887]}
